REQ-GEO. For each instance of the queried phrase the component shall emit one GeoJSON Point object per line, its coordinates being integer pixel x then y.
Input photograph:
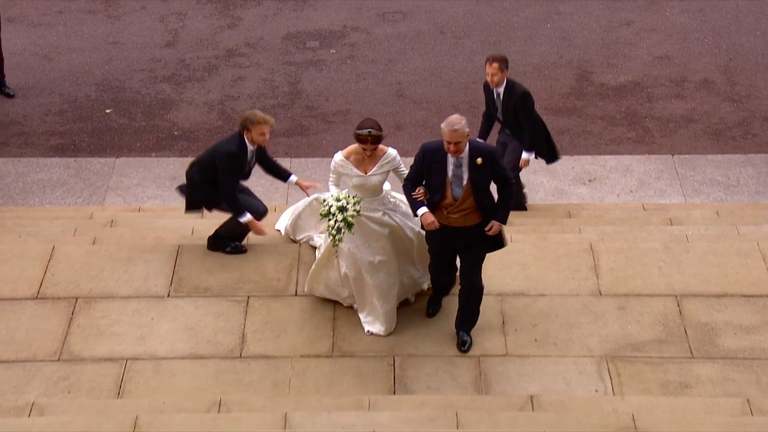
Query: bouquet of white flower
{"type": "Point", "coordinates": [340, 210]}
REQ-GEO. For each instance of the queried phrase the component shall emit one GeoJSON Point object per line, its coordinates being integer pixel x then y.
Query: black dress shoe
{"type": "Point", "coordinates": [225, 246]}
{"type": "Point", "coordinates": [463, 342]}
{"type": "Point", "coordinates": [7, 92]}
{"type": "Point", "coordinates": [433, 306]}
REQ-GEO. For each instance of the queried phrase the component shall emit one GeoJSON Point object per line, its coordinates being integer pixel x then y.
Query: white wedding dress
{"type": "Point", "coordinates": [382, 262]}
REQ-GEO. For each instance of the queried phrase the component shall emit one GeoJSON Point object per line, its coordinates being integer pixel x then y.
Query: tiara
{"type": "Point", "coordinates": [369, 132]}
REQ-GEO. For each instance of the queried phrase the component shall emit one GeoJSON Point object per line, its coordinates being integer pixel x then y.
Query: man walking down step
{"type": "Point", "coordinates": [214, 182]}
{"type": "Point", "coordinates": [522, 132]}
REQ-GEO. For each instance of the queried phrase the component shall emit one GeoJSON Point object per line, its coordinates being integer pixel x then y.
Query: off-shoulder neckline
{"type": "Point", "coordinates": [389, 152]}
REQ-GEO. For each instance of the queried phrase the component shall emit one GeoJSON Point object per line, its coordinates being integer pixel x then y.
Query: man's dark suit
{"type": "Point", "coordinates": [522, 129]}
{"type": "Point", "coordinates": [4, 89]}
{"type": "Point", "coordinates": [2, 59]}
{"type": "Point", "coordinates": [470, 244]}
{"type": "Point", "coordinates": [213, 182]}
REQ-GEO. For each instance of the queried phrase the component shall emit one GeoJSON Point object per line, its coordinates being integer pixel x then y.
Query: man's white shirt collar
{"type": "Point", "coordinates": [250, 146]}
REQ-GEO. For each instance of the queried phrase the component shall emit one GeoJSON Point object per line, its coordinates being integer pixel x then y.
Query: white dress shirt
{"type": "Point", "coordinates": [500, 91]}
{"type": "Point", "coordinates": [246, 217]}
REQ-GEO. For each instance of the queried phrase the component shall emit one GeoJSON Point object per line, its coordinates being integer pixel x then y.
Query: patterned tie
{"type": "Point", "coordinates": [457, 179]}
{"type": "Point", "coordinates": [498, 103]}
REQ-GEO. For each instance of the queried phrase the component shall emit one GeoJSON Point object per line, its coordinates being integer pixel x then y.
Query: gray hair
{"type": "Point", "coordinates": [456, 122]}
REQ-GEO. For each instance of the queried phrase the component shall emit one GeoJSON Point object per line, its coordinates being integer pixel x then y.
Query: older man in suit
{"type": "Point", "coordinates": [214, 182]}
{"type": "Point", "coordinates": [460, 215]}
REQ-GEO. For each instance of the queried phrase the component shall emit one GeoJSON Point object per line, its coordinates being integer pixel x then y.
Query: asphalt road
{"type": "Point", "coordinates": [608, 77]}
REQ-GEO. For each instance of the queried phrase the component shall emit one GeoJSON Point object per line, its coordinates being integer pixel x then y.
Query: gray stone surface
{"type": "Point", "coordinates": [724, 178]}
{"type": "Point", "coordinates": [146, 181]}
{"type": "Point", "coordinates": [574, 179]}
{"type": "Point", "coordinates": [311, 169]}
{"type": "Point", "coordinates": [153, 181]}
{"type": "Point", "coordinates": [603, 179]}
{"type": "Point", "coordinates": [54, 182]}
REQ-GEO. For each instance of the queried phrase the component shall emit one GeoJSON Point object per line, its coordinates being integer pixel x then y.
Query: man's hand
{"type": "Point", "coordinates": [420, 194]}
{"type": "Point", "coordinates": [429, 221]}
{"type": "Point", "coordinates": [524, 162]}
{"type": "Point", "coordinates": [306, 186]}
{"type": "Point", "coordinates": [256, 227]}
{"type": "Point", "coordinates": [493, 228]}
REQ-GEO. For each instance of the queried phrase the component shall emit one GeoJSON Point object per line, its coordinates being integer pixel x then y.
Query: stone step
{"type": "Point", "coordinates": [722, 208]}
{"type": "Point", "coordinates": [588, 422]}
{"type": "Point", "coordinates": [49, 216]}
{"type": "Point", "coordinates": [211, 422]}
{"type": "Point", "coordinates": [539, 216]}
{"type": "Point", "coordinates": [89, 407]}
{"type": "Point", "coordinates": [32, 210]}
{"type": "Point", "coordinates": [629, 237]}
{"type": "Point", "coordinates": [706, 423]}
{"type": "Point", "coordinates": [391, 421]}
{"type": "Point", "coordinates": [640, 220]}
{"type": "Point", "coordinates": [296, 326]}
{"type": "Point", "coordinates": [734, 207]}
{"type": "Point", "coordinates": [646, 405]}
{"type": "Point", "coordinates": [671, 268]}
{"type": "Point", "coordinates": [91, 423]}
{"type": "Point", "coordinates": [242, 404]}
{"type": "Point", "coordinates": [330, 376]}
{"type": "Point", "coordinates": [674, 237]}
{"type": "Point", "coordinates": [470, 420]}
{"type": "Point", "coordinates": [138, 269]}
{"type": "Point", "coordinates": [536, 234]}
{"type": "Point", "coordinates": [751, 216]}
{"type": "Point", "coordinates": [629, 214]}
{"type": "Point", "coordinates": [32, 224]}
{"type": "Point", "coordinates": [755, 237]}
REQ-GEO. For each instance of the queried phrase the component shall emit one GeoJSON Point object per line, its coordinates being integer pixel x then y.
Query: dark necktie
{"type": "Point", "coordinates": [497, 96]}
{"type": "Point", "coordinates": [251, 158]}
{"type": "Point", "coordinates": [457, 179]}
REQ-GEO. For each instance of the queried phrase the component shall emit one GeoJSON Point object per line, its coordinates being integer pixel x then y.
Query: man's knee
{"type": "Point", "coordinates": [182, 189]}
{"type": "Point", "coordinates": [471, 274]}
{"type": "Point", "coordinates": [472, 282]}
{"type": "Point", "coordinates": [259, 210]}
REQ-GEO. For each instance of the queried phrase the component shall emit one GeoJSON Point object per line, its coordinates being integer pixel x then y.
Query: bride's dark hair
{"type": "Point", "coordinates": [369, 131]}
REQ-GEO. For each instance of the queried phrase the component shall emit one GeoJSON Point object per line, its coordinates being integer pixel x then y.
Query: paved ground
{"type": "Point", "coordinates": [575, 179]}
{"type": "Point", "coordinates": [609, 77]}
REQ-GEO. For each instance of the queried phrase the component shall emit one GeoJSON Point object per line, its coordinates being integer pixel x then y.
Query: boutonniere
{"type": "Point", "coordinates": [479, 161]}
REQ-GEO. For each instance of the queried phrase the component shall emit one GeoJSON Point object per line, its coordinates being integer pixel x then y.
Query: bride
{"type": "Point", "coordinates": [384, 260]}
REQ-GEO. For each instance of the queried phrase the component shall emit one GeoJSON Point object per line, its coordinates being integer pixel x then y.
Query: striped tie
{"type": "Point", "coordinates": [457, 179]}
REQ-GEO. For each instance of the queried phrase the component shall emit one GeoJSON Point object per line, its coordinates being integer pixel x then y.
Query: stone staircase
{"type": "Point", "coordinates": [597, 317]}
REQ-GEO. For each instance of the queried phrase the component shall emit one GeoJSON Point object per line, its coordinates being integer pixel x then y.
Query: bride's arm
{"type": "Point", "coordinates": [334, 181]}
{"type": "Point", "coordinates": [400, 171]}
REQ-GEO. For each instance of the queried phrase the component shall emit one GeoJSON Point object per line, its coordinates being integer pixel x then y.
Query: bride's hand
{"type": "Point", "coordinates": [420, 194]}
